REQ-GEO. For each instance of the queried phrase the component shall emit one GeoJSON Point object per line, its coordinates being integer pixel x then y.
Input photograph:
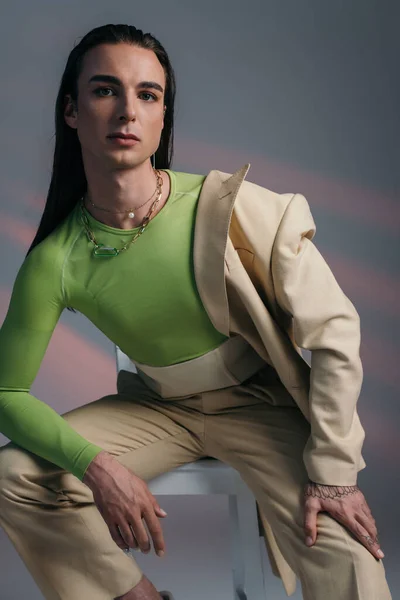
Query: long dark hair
{"type": "Point", "coordinates": [68, 181]}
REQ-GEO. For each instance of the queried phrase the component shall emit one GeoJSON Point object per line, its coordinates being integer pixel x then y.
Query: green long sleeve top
{"type": "Point", "coordinates": [144, 300]}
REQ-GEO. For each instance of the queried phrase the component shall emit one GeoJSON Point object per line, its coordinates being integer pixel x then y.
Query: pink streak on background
{"type": "Point", "coordinates": [345, 198]}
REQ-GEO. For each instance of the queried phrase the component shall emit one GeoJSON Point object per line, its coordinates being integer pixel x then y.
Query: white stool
{"type": "Point", "coordinates": [211, 476]}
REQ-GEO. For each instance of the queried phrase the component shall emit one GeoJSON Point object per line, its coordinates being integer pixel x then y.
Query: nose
{"type": "Point", "coordinates": [127, 107]}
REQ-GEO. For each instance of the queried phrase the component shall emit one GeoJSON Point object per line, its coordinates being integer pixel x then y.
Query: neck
{"type": "Point", "coordinates": [124, 190]}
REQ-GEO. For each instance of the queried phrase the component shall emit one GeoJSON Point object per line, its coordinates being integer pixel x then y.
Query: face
{"type": "Point", "coordinates": [105, 107]}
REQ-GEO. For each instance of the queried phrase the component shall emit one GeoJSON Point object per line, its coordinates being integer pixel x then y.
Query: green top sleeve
{"type": "Point", "coordinates": [34, 310]}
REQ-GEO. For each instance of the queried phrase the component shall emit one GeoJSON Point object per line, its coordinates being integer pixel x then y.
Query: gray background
{"type": "Point", "coordinates": [308, 93]}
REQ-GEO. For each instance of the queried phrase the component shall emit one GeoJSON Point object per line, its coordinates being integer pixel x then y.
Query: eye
{"type": "Point", "coordinates": [97, 90]}
{"type": "Point", "coordinates": [148, 94]}
{"type": "Point", "coordinates": [100, 89]}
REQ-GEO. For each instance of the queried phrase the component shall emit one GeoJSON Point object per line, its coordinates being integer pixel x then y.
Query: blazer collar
{"type": "Point", "coordinates": [213, 218]}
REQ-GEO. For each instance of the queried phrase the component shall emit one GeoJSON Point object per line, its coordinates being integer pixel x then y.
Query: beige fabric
{"type": "Point", "coordinates": [229, 364]}
{"type": "Point", "coordinates": [256, 427]}
{"type": "Point", "coordinates": [260, 275]}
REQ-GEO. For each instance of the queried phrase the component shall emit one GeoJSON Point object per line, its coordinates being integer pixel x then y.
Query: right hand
{"type": "Point", "coordinates": [123, 500]}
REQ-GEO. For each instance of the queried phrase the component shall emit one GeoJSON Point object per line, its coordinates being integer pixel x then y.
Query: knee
{"type": "Point", "coordinates": [15, 463]}
{"type": "Point", "coordinates": [26, 475]}
{"type": "Point", "coordinates": [10, 457]}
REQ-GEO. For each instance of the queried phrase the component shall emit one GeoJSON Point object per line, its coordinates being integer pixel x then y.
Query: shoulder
{"type": "Point", "coordinates": [186, 183]}
{"type": "Point", "coordinates": [276, 214]}
{"type": "Point", "coordinates": [43, 265]}
{"type": "Point", "coordinates": [251, 193]}
{"type": "Point", "coordinates": [255, 199]}
{"type": "Point", "coordinates": [260, 203]}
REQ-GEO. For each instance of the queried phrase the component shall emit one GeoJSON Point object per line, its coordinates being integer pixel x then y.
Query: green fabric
{"type": "Point", "coordinates": [145, 300]}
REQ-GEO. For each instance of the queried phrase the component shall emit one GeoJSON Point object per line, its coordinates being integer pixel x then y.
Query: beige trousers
{"type": "Point", "coordinates": [256, 427]}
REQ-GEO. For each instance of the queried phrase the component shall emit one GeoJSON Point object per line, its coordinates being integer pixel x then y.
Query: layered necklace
{"type": "Point", "coordinates": [103, 250]}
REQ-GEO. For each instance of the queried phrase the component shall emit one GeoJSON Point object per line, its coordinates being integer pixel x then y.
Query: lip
{"type": "Point", "coordinates": [125, 136]}
{"type": "Point", "coordinates": [124, 141]}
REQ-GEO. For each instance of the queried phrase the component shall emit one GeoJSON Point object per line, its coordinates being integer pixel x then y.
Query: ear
{"type": "Point", "coordinates": [70, 112]}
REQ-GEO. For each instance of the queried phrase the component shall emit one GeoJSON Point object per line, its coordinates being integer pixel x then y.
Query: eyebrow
{"type": "Point", "coordinates": [112, 79]}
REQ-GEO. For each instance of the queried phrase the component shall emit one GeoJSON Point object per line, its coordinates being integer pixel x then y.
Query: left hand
{"type": "Point", "coordinates": [347, 505]}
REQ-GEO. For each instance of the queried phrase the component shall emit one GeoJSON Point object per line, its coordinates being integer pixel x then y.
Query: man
{"type": "Point", "coordinates": [211, 285]}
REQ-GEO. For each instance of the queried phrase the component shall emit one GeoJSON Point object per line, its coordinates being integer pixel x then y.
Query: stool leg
{"type": "Point", "coordinates": [236, 550]}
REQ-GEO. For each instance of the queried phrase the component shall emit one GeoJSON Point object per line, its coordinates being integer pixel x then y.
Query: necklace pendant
{"type": "Point", "coordinates": [102, 250]}
{"type": "Point", "coordinates": [131, 215]}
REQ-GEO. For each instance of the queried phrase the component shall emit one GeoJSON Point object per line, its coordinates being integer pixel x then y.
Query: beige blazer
{"type": "Point", "coordinates": [260, 275]}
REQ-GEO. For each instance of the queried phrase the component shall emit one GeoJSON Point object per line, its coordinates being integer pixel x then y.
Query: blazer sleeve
{"type": "Point", "coordinates": [326, 323]}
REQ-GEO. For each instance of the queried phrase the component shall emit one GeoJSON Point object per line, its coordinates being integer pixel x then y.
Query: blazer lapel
{"type": "Point", "coordinates": [213, 217]}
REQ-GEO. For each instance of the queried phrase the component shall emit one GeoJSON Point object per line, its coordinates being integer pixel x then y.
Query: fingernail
{"type": "Point", "coordinates": [309, 541]}
{"type": "Point", "coordinates": [380, 554]}
{"type": "Point", "coordinates": [163, 511]}
{"type": "Point", "coordinates": [161, 553]}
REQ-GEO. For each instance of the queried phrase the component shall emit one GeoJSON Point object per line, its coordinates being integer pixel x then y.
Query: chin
{"type": "Point", "coordinates": [125, 161]}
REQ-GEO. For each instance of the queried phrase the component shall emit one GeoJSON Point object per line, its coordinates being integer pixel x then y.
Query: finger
{"type": "Point", "coordinates": [158, 510]}
{"type": "Point", "coordinates": [135, 542]}
{"type": "Point", "coordinates": [155, 530]}
{"type": "Point", "coordinates": [370, 527]}
{"type": "Point", "coordinates": [127, 535]}
{"type": "Point", "coordinates": [140, 532]}
{"type": "Point", "coordinates": [367, 523]}
{"type": "Point", "coordinates": [365, 538]}
{"type": "Point", "coordinates": [310, 524]}
{"type": "Point", "coordinates": [367, 511]}
{"type": "Point", "coordinates": [117, 537]}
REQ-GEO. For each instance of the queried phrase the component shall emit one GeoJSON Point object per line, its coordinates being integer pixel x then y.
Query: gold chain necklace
{"type": "Point", "coordinates": [130, 211]}
{"type": "Point", "coordinates": [103, 250]}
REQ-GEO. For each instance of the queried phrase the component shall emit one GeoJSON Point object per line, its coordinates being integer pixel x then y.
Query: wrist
{"type": "Point", "coordinates": [354, 485]}
{"type": "Point", "coordinates": [95, 467]}
{"type": "Point", "coordinates": [325, 492]}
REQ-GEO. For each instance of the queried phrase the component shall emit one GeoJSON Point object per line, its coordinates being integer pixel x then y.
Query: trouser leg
{"type": "Point", "coordinates": [49, 515]}
{"type": "Point", "coordinates": [265, 444]}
